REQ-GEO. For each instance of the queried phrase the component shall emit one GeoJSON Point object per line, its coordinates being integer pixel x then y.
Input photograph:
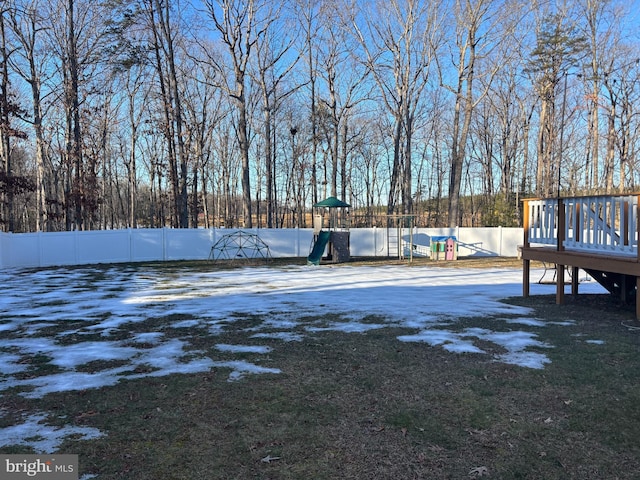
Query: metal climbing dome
{"type": "Point", "coordinates": [239, 245]}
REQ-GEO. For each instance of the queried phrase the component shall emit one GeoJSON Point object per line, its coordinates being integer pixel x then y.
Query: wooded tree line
{"type": "Point", "coordinates": [151, 113]}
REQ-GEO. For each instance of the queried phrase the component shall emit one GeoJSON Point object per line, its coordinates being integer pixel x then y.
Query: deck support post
{"type": "Point", "coordinates": [560, 234]}
{"type": "Point", "coordinates": [526, 263]}
{"type": "Point", "coordinates": [560, 284]}
{"type": "Point", "coordinates": [624, 289]}
{"type": "Point", "coordinates": [637, 298]}
{"type": "Point", "coordinates": [575, 281]}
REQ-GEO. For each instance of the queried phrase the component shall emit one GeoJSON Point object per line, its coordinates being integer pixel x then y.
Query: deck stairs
{"type": "Point", "coordinates": [623, 286]}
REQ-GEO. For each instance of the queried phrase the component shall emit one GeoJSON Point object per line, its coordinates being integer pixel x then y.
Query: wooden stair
{"type": "Point", "coordinates": [621, 285]}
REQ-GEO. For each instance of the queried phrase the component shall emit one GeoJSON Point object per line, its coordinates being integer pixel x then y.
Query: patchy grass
{"type": "Point", "coordinates": [368, 406]}
{"type": "Point", "coordinates": [362, 406]}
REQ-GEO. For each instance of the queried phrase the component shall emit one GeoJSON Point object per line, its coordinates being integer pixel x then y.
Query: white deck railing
{"type": "Point", "coordinates": [606, 224]}
{"type": "Point", "coordinates": [543, 221]}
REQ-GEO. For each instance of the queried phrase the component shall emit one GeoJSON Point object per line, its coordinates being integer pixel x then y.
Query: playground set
{"type": "Point", "coordinates": [330, 232]}
{"type": "Point", "coordinates": [331, 239]}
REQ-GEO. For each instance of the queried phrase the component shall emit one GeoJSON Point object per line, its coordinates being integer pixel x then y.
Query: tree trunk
{"type": "Point", "coordinates": [461, 133]}
{"type": "Point", "coordinates": [5, 137]}
{"type": "Point", "coordinates": [74, 140]}
{"type": "Point", "coordinates": [243, 141]}
{"type": "Point", "coordinates": [395, 168]}
{"type": "Point", "coordinates": [174, 116]}
{"type": "Point", "coordinates": [155, 19]}
{"type": "Point", "coordinates": [407, 178]}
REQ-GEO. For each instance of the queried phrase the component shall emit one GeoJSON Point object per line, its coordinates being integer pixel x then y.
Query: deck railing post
{"type": "Point", "coordinates": [624, 223]}
{"type": "Point", "coordinates": [637, 242]}
{"type": "Point", "coordinates": [577, 234]}
{"type": "Point", "coordinates": [562, 224]}
{"type": "Point", "coordinates": [637, 234]}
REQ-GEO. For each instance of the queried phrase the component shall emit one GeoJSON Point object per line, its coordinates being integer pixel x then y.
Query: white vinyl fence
{"type": "Point", "coordinates": [44, 249]}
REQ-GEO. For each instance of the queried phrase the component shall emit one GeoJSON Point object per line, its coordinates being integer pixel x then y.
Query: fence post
{"type": "Point", "coordinates": [526, 264]}
{"type": "Point", "coordinates": [130, 244]}
{"type": "Point", "coordinates": [75, 246]}
{"type": "Point", "coordinates": [164, 244]}
{"type": "Point", "coordinates": [40, 253]}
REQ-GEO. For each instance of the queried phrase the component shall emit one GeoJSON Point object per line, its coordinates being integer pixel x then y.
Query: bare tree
{"type": "Point", "coordinates": [137, 92]}
{"type": "Point", "coordinates": [621, 81]}
{"type": "Point", "coordinates": [557, 48]}
{"type": "Point", "coordinates": [275, 60]}
{"type": "Point", "coordinates": [153, 132]}
{"type": "Point", "coordinates": [398, 40]}
{"type": "Point", "coordinates": [27, 26]}
{"type": "Point", "coordinates": [601, 30]}
{"type": "Point", "coordinates": [241, 25]}
{"type": "Point", "coordinates": [76, 36]}
{"type": "Point", "coordinates": [499, 130]}
{"type": "Point", "coordinates": [342, 89]}
{"type": "Point", "coordinates": [592, 11]}
{"type": "Point", "coordinates": [204, 111]}
{"type": "Point", "coordinates": [367, 166]}
{"type": "Point", "coordinates": [73, 130]}
{"type": "Point", "coordinates": [161, 23]}
{"type": "Point", "coordinates": [479, 25]}
{"type": "Point", "coordinates": [10, 183]}
{"type": "Point", "coordinates": [309, 14]}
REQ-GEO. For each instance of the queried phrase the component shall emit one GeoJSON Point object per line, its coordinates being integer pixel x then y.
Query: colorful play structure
{"type": "Point", "coordinates": [330, 232]}
{"type": "Point", "coordinates": [444, 248]}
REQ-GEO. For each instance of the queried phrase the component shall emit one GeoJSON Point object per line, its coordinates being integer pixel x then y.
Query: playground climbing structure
{"type": "Point", "coordinates": [330, 232]}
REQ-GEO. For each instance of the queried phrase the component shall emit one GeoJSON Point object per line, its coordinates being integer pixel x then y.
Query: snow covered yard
{"type": "Point", "coordinates": [56, 322]}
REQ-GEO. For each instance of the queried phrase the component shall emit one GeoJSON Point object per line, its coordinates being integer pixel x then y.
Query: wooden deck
{"type": "Point", "coordinates": [598, 234]}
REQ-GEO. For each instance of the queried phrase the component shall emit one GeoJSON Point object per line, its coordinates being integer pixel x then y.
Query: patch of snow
{"type": "Point", "coordinates": [41, 437]}
{"type": "Point", "coordinates": [241, 368]}
{"type": "Point", "coordinates": [284, 336]}
{"type": "Point", "coordinates": [185, 324]}
{"type": "Point", "coordinates": [71, 356]}
{"type": "Point", "coordinates": [63, 382]}
{"type": "Point", "coordinates": [147, 337]}
{"type": "Point", "coordinates": [462, 346]}
{"type": "Point", "coordinates": [347, 327]}
{"type": "Point", "coordinates": [515, 342]}
{"type": "Point", "coordinates": [223, 347]}
{"type": "Point", "coordinates": [531, 322]}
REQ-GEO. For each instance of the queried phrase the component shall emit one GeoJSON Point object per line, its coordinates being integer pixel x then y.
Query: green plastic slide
{"type": "Point", "coordinates": [318, 248]}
